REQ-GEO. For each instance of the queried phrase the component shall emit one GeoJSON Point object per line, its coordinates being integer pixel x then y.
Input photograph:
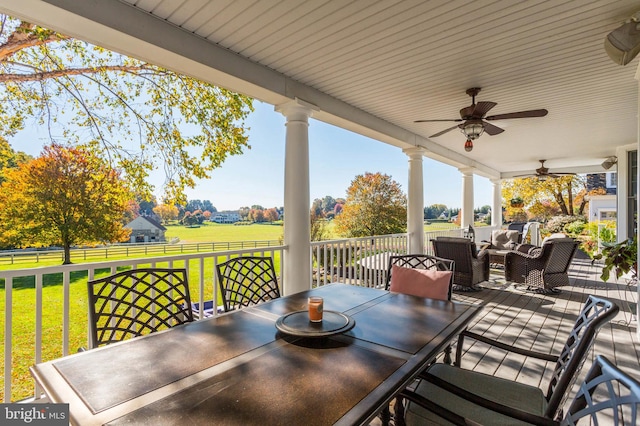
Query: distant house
{"type": "Point", "coordinates": [146, 230]}
{"type": "Point", "coordinates": [607, 181]}
{"type": "Point", "coordinates": [602, 207]}
{"type": "Point", "coordinates": [226, 217]}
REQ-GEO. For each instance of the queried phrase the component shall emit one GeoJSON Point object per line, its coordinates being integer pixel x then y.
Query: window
{"type": "Point", "coordinates": [612, 178]}
{"type": "Point", "coordinates": [632, 185]}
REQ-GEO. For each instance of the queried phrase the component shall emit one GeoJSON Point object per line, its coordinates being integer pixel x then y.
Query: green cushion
{"type": "Point", "coordinates": [506, 392]}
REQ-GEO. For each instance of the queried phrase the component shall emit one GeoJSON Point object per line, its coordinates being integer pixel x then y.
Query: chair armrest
{"type": "Point", "coordinates": [484, 244]}
{"type": "Point", "coordinates": [476, 399]}
{"type": "Point", "coordinates": [525, 248]}
{"type": "Point", "coordinates": [497, 344]}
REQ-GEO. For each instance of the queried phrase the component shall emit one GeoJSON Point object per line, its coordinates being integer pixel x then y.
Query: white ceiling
{"type": "Point", "coordinates": [376, 66]}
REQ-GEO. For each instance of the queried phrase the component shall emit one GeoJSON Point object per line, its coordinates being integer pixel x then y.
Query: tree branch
{"type": "Point", "coordinates": [47, 75]}
{"type": "Point", "coordinates": [26, 36]}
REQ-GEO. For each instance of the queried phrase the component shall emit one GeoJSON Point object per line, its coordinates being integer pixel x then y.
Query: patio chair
{"type": "Point", "coordinates": [419, 261]}
{"type": "Point", "coordinates": [246, 281]}
{"type": "Point", "coordinates": [422, 262]}
{"type": "Point", "coordinates": [471, 267]}
{"type": "Point", "coordinates": [487, 399]}
{"type": "Point", "coordinates": [543, 268]}
{"type": "Point", "coordinates": [429, 263]}
{"type": "Point", "coordinates": [137, 302]}
{"type": "Point", "coordinates": [502, 240]}
{"type": "Point", "coordinates": [607, 395]}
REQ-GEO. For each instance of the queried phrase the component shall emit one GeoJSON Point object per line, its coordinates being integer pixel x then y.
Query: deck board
{"type": "Point", "coordinates": [542, 323]}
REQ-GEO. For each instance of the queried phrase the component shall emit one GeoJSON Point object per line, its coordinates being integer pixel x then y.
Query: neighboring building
{"type": "Point", "coordinates": [146, 230]}
{"type": "Point", "coordinates": [607, 181]}
{"type": "Point", "coordinates": [226, 217]}
{"type": "Point", "coordinates": [602, 207]}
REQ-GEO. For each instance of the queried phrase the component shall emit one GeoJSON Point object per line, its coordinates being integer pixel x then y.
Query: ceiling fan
{"type": "Point", "coordinates": [542, 173]}
{"type": "Point", "coordinates": [474, 120]}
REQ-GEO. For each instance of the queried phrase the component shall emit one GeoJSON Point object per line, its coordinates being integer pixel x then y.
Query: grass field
{"type": "Point", "coordinates": [210, 231]}
{"type": "Point", "coordinates": [23, 325]}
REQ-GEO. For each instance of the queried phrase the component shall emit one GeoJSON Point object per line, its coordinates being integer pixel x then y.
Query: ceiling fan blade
{"type": "Point", "coordinates": [443, 132]}
{"type": "Point", "coordinates": [520, 114]}
{"type": "Point", "coordinates": [434, 121]}
{"type": "Point", "coordinates": [492, 130]}
{"type": "Point", "coordinates": [482, 108]}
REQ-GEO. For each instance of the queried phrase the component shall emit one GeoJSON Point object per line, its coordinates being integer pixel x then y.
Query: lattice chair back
{"type": "Point", "coordinates": [419, 261]}
{"type": "Point", "coordinates": [608, 396]}
{"type": "Point", "coordinates": [247, 281]}
{"type": "Point", "coordinates": [137, 302]}
{"type": "Point", "coordinates": [595, 313]}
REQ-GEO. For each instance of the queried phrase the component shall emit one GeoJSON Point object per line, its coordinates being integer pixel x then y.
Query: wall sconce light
{"type": "Point", "coordinates": [609, 162]}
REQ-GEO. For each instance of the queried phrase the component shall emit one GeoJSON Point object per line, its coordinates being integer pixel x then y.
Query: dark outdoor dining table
{"type": "Point", "coordinates": [238, 369]}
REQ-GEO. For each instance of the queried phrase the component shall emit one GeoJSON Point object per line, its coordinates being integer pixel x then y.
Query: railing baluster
{"type": "Point", "coordinates": [8, 315]}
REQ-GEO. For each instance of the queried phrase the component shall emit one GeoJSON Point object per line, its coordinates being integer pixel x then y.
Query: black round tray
{"type": "Point", "coordinates": [298, 324]}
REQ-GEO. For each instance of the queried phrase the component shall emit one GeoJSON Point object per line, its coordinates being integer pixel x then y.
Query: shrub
{"type": "Point", "coordinates": [575, 227]}
{"type": "Point", "coordinates": [558, 223]}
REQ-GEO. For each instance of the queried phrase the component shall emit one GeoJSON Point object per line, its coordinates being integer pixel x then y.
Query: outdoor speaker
{"type": "Point", "coordinates": [623, 43]}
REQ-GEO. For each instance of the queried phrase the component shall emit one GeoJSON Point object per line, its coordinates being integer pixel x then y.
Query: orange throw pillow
{"type": "Point", "coordinates": [420, 282]}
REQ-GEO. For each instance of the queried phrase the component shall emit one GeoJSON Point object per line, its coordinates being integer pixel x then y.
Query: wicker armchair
{"type": "Point", "coordinates": [543, 268]}
{"type": "Point", "coordinates": [471, 267]}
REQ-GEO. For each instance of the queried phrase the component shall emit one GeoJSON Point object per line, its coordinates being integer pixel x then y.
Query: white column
{"type": "Point", "coordinates": [415, 202]}
{"type": "Point", "coordinates": [496, 207]}
{"type": "Point", "coordinates": [466, 213]}
{"type": "Point", "coordinates": [296, 275]}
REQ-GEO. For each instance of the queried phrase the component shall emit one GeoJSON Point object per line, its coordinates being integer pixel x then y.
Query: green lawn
{"type": "Point", "coordinates": [209, 231]}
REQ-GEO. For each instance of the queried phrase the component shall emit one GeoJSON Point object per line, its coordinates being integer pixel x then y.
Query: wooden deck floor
{"type": "Point", "coordinates": [543, 322]}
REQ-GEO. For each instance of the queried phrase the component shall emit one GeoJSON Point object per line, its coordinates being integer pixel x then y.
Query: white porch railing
{"type": "Point", "coordinates": [356, 261]}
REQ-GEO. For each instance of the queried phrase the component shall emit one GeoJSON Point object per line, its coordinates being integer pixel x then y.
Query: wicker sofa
{"type": "Point", "coordinates": [471, 267]}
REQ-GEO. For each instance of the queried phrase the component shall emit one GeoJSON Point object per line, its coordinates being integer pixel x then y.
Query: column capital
{"type": "Point", "coordinates": [495, 181]}
{"type": "Point", "coordinates": [296, 109]}
{"type": "Point", "coordinates": [466, 171]}
{"type": "Point", "coordinates": [415, 152]}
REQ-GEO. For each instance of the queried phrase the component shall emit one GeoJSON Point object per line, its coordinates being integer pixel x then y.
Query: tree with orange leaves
{"type": "Point", "coordinates": [375, 205]}
{"type": "Point", "coordinates": [66, 197]}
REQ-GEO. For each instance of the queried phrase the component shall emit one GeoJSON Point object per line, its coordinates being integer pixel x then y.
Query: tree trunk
{"type": "Point", "coordinates": [67, 254]}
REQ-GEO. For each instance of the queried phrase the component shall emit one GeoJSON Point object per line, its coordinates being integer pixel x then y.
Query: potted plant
{"type": "Point", "coordinates": [517, 202]}
{"type": "Point", "coordinates": [620, 257]}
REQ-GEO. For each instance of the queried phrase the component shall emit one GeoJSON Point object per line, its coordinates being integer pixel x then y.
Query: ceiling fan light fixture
{"type": "Point", "coordinates": [468, 145]}
{"type": "Point", "coordinates": [472, 129]}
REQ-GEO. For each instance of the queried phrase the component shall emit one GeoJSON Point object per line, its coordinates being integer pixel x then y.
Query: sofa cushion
{"type": "Point", "coordinates": [420, 282]}
{"type": "Point", "coordinates": [504, 239]}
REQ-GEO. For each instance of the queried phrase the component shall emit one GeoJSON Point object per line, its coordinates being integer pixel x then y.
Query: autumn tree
{"type": "Point", "coordinates": [9, 158]}
{"type": "Point", "coordinates": [564, 192]}
{"type": "Point", "coordinates": [271, 215]}
{"type": "Point", "coordinates": [139, 116]}
{"type": "Point", "coordinates": [375, 205]}
{"type": "Point", "coordinates": [66, 197]}
{"type": "Point", "coordinates": [166, 212]}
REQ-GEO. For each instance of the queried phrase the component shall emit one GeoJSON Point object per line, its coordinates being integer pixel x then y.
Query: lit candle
{"type": "Point", "coordinates": [316, 305]}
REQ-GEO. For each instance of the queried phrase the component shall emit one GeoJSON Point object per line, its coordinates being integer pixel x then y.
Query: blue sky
{"type": "Point", "coordinates": [336, 157]}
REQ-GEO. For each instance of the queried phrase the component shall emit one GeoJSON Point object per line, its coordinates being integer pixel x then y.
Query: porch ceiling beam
{"type": "Point", "coordinates": [120, 27]}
